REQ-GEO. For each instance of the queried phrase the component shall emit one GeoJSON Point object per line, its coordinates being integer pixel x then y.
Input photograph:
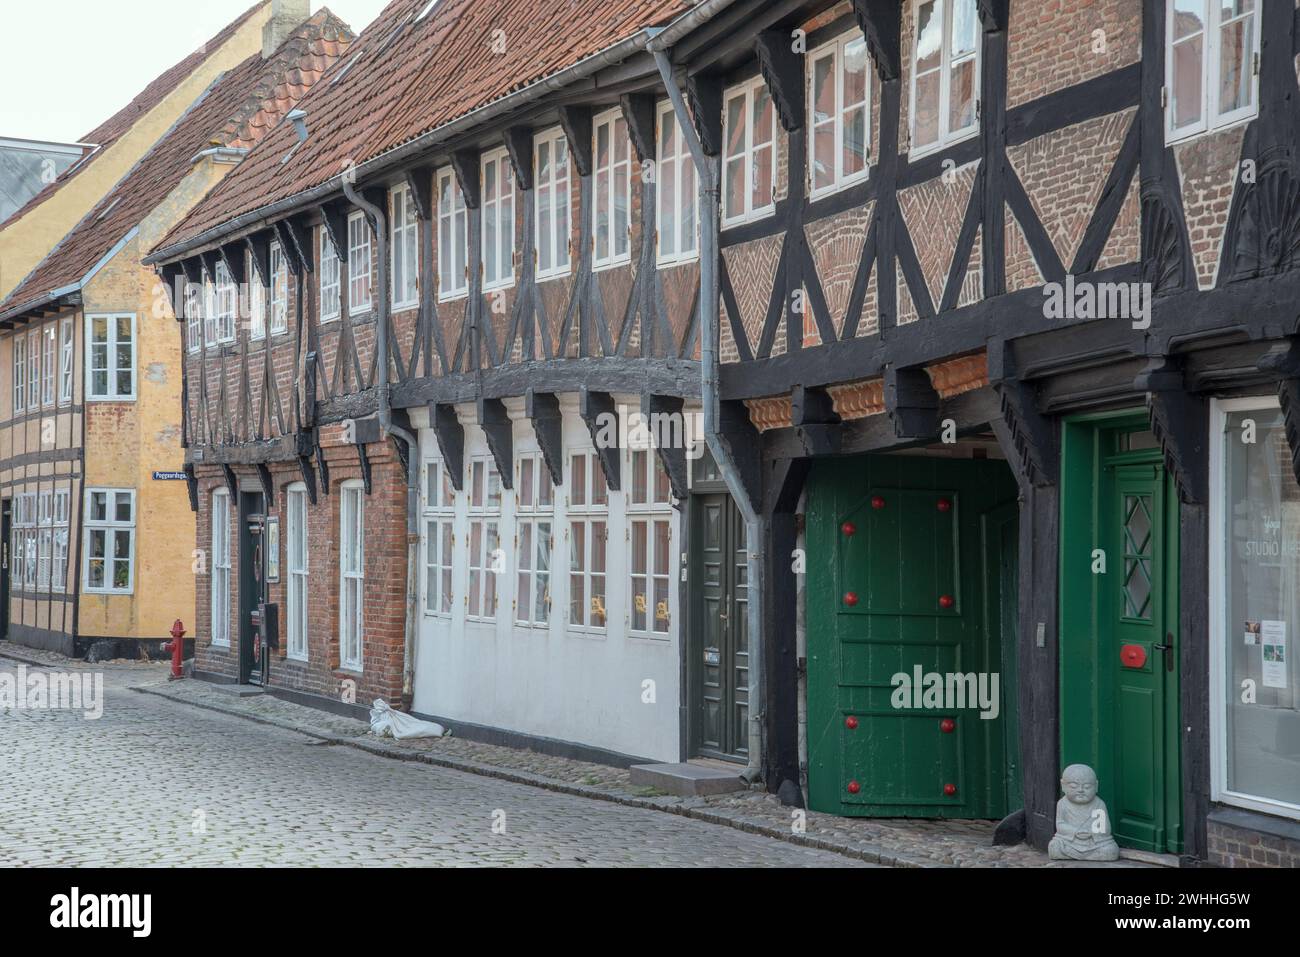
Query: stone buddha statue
{"type": "Point", "coordinates": [1082, 822]}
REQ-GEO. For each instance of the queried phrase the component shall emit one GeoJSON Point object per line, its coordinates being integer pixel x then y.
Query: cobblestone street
{"type": "Point", "coordinates": [157, 783]}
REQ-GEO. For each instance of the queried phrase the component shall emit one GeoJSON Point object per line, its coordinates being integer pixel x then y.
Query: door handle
{"type": "Point", "coordinates": [1168, 649]}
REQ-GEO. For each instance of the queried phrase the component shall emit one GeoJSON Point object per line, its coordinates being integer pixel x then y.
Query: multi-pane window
{"type": "Point", "coordinates": [650, 522]}
{"type": "Point", "coordinates": [110, 370]}
{"type": "Point", "coordinates": [838, 85]}
{"type": "Point", "coordinates": [20, 373]}
{"type": "Point", "coordinates": [453, 237]}
{"type": "Point", "coordinates": [256, 308]}
{"type": "Point", "coordinates": [405, 231]}
{"type": "Point", "coordinates": [33, 370]}
{"type": "Point", "coordinates": [552, 184]}
{"type": "Point", "coordinates": [296, 585]}
{"type": "Point", "coordinates": [330, 303]}
{"type": "Point", "coordinates": [49, 348]}
{"type": "Point", "coordinates": [498, 220]}
{"type": "Point", "coordinates": [749, 152]}
{"type": "Point", "coordinates": [227, 303]}
{"type": "Point", "coordinates": [945, 73]}
{"type": "Point", "coordinates": [23, 545]}
{"type": "Point", "coordinates": [484, 539]}
{"type": "Point", "coordinates": [65, 361]}
{"type": "Point", "coordinates": [613, 189]}
{"type": "Point", "coordinates": [1211, 64]}
{"type": "Point", "coordinates": [110, 539]}
{"type": "Point", "coordinates": [535, 508]}
{"type": "Point", "coordinates": [359, 266]}
{"type": "Point", "coordinates": [279, 290]}
{"type": "Point", "coordinates": [59, 523]}
{"type": "Point", "coordinates": [220, 606]}
{"type": "Point", "coordinates": [193, 316]}
{"type": "Point", "coordinates": [351, 574]}
{"type": "Point", "coordinates": [439, 516]}
{"type": "Point", "coordinates": [677, 197]}
{"type": "Point", "coordinates": [588, 538]}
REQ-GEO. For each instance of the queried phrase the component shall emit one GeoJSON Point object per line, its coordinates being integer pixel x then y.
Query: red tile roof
{"type": "Point", "coordinates": [112, 129]}
{"type": "Point", "coordinates": [240, 107]}
{"type": "Point", "coordinates": [406, 76]}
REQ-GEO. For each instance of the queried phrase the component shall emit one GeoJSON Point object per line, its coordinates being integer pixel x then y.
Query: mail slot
{"type": "Point", "coordinates": [1133, 656]}
{"type": "Point", "coordinates": [266, 619]}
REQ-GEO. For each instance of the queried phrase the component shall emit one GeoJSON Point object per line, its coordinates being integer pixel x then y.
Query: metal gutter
{"type": "Point", "coordinates": [395, 156]}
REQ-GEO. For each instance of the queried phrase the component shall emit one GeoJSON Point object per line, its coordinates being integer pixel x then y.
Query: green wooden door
{"type": "Point", "coordinates": [1119, 624]}
{"type": "Point", "coordinates": [898, 584]}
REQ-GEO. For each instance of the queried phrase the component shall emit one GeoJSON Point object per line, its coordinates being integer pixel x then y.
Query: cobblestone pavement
{"type": "Point", "coordinates": [157, 783]}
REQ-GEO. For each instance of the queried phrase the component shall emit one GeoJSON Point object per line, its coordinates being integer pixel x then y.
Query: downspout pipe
{"type": "Point", "coordinates": [383, 401]}
{"type": "Point", "coordinates": [709, 177]}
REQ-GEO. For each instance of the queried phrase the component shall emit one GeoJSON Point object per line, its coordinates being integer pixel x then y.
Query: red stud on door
{"type": "Point", "coordinates": [849, 529]}
{"type": "Point", "coordinates": [945, 505]}
{"type": "Point", "coordinates": [854, 787]}
{"type": "Point", "coordinates": [851, 723]}
{"type": "Point", "coordinates": [946, 601]}
{"type": "Point", "coordinates": [877, 502]}
{"type": "Point", "coordinates": [851, 598]}
{"type": "Point", "coordinates": [949, 790]}
{"type": "Point", "coordinates": [947, 726]}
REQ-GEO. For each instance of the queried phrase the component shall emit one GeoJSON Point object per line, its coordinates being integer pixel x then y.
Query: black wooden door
{"type": "Point", "coordinates": [253, 655]}
{"type": "Point", "coordinates": [721, 645]}
{"type": "Point", "coordinates": [6, 526]}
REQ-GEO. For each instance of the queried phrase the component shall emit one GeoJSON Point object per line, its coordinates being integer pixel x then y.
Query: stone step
{"type": "Point", "coordinates": [240, 691]}
{"type": "Point", "coordinates": [687, 779]}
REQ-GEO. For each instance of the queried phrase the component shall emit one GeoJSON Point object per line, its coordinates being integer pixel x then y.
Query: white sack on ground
{"type": "Point", "coordinates": [386, 722]}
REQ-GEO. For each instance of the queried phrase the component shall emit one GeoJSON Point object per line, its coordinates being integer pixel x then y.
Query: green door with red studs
{"type": "Point", "coordinates": [904, 559]}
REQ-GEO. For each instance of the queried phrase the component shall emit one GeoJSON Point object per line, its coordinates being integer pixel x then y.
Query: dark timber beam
{"type": "Point", "coordinates": [304, 443]}
{"type": "Point", "coordinates": [268, 484]}
{"type": "Point", "coordinates": [880, 21]}
{"type": "Point", "coordinates": [451, 441]}
{"type": "Point", "coordinates": [543, 410]}
{"type": "Point", "coordinates": [232, 483]}
{"type": "Point", "coordinates": [1181, 423]}
{"type": "Point", "coordinates": [519, 144]}
{"type": "Point", "coordinates": [600, 414]}
{"type": "Point", "coordinates": [192, 486]}
{"type": "Point", "coordinates": [259, 251]}
{"type": "Point", "coordinates": [911, 403]}
{"type": "Point", "coordinates": [744, 444]}
{"type": "Point", "coordinates": [639, 112]}
{"type": "Point", "coordinates": [465, 163]}
{"type": "Point", "coordinates": [664, 418]}
{"type": "Point", "coordinates": [496, 425]}
{"type": "Point", "coordinates": [363, 459]}
{"type": "Point", "coordinates": [576, 123]}
{"type": "Point", "coordinates": [704, 91]}
{"type": "Point", "coordinates": [1026, 436]}
{"type": "Point", "coordinates": [816, 424]}
{"type": "Point", "coordinates": [1284, 361]}
{"type": "Point", "coordinates": [782, 70]}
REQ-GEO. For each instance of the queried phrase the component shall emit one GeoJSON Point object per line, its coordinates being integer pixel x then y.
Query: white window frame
{"type": "Point", "coordinates": [279, 317]}
{"type": "Point", "coordinates": [1211, 118]}
{"type": "Point", "coordinates": [748, 152]}
{"type": "Point", "coordinates": [452, 283]}
{"type": "Point", "coordinates": [297, 560]}
{"type": "Point", "coordinates": [651, 511]}
{"type": "Point", "coordinates": [226, 303]}
{"type": "Point", "coordinates": [22, 557]}
{"type": "Point", "coordinates": [352, 551]}
{"type": "Point", "coordinates": [219, 606]}
{"type": "Point", "coordinates": [33, 370]}
{"type": "Point", "coordinates": [404, 246]}
{"type": "Point", "coordinates": [554, 194]}
{"type": "Point", "coordinates": [20, 372]}
{"type": "Point", "coordinates": [835, 51]}
{"type": "Point", "coordinates": [331, 276]}
{"type": "Point", "coordinates": [439, 514]}
{"type": "Point", "coordinates": [1218, 604]}
{"type": "Point", "coordinates": [360, 265]}
{"type": "Point", "coordinates": [49, 361]}
{"type": "Point", "coordinates": [946, 136]}
{"type": "Point", "coordinates": [111, 526]}
{"type": "Point", "coordinates": [676, 168]}
{"type": "Point", "coordinates": [534, 511]}
{"type": "Point", "coordinates": [619, 248]}
{"type": "Point", "coordinates": [498, 208]}
{"type": "Point", "coordinates": [585, 514]}
{"type": "Point", "coordinates": [193, 317]}
{"type": "Point", "coordinates": [110, 347]}
{"type": "Point", "coordinates": [66, 366]}
{"type": "Point", "coordinates": [59, 522]}
{"type": "Point", "coordinates": [488, 515]}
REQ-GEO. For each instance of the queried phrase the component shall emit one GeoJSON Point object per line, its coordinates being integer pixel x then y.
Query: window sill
{"type": "Point", "coordinates": [301, 659]}
{"type": "Point", "coordinates": [1224, 126]}
{"type": "Point", "coordinates": [108, 591]}
{"type": "Point", "coordinates": [454, 297]}
{"type": "Point", "coordinates": [611, 264]}
{"type": "Point", "coordinates": [919, 152]}
{"type": "Point", "coordinates": [753, 217]}
{"type": "Point", "coordinates": [815, 194]}
{"type": "Point", "coordinates": [404, 306]}
{"type": "Point", "coordinates": [104, 399]}
{"type": "Point", "coordinates": [565, 273]}
{"type": "Point", "coordinates": [499, 286]}
{"type": "Point", "coordinates": [667, 262]}
{"type": "Point", "coordinates": [325, 320]}
{"type": "Point", "coordinates": [573, 631]}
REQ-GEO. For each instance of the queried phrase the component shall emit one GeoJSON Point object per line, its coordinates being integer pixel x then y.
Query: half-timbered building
{"type": "Point", "coordinates": [986, 307]}
{"type": "Point", "coordinates": [99, 544]}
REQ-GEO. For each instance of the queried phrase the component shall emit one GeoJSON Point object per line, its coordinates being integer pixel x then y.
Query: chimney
{"type": "Point", "coordinates": [286, 16]}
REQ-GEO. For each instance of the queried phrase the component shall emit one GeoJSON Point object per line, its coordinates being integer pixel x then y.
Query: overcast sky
{"type": "Point", "coordinates": [68, 65]}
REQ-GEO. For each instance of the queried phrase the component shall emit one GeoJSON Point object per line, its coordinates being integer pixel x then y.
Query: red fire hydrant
{"type": "Point", "coordinates": [177, 647]}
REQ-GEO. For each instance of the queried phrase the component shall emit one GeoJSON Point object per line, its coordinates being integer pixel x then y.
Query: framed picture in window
{"type": "Point", "coordinates": [273, 550]}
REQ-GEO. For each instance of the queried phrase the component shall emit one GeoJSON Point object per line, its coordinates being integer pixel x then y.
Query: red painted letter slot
{"type": "Point", "coordinates": [1133, 656]}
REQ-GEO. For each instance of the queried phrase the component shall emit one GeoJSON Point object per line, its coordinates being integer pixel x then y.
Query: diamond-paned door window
{"type": "Point", "coordinates": [1137, 556]}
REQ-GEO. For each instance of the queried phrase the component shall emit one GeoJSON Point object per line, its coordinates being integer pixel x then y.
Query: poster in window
{"type": "Point", "coordinates": [1273, 639]}
{"type": "Point", "coordinates": [273, 550]}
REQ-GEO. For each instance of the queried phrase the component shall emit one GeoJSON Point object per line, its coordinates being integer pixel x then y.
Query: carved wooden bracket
{"type": "Point", "coordinates": [782, 71]}
{"type": "Point", "coordinates": [465, 163]}
{"type": "Point", "coordinates": [815, 421]}
{"type": "Point", "coordinates": [993, 14]}
{"type": "Point", "coordinates": [1284, 361]}
{"type": "Point", "coordinates": [704, 93]}
{"type": "Point", "coordinates": [420, 181]}
{"type": "Point", "coordinates": [496, 425]}
{"type": "Point", "coordinates": [192, 486]}
{"type": "Point", "coordinates": [743, 443]}
{"type": "Point", "coordinates": [639, 112]}
{"type": "Point", "coordinates": [232, 483]}
{"type": "Point", "coordinates": [672, 453]}
{"type": "Point", "coordinates": [911, 403]}
{"type": "Point", "coordinates": [451, 442]}
{"type": "Point", "coordinates": [881, 25]}
{"type": "Point", "coordinates": [596, 409]}
{"type": "Point", "coordinates": [268, 484]}
{"type": "Point", "coordinates": [1026, 435]}
{"type": "Point", "coordinates": [1181, 424]}
{"type": "Point", "coordinates": [519, 144]}
{"type": "Point", "coordinates": [543, 410]}
{"type": "Point", "coordinates": [576, 123]}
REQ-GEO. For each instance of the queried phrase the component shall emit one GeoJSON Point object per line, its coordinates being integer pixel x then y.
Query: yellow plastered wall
{"type": "Point", "coordinates": [26, 241]}
{"type": "Point", "coordinates": [126, 442]}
